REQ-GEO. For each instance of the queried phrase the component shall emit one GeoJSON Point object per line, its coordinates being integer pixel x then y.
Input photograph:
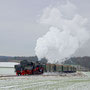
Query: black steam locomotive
{"type": "Point", "coordinates": [27, 67]}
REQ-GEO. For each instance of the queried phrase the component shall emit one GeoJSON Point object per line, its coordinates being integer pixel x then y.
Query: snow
{"type": "Point", "coordinates": [7, 71]}
{"type": "Point", "coordinates": [42, 82]}
{"type": "Point", "coordinates": [8, 64]}
{"type": "Point", "coordinates": [7, 68]}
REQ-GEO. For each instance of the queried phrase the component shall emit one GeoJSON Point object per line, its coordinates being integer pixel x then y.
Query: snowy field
{"type": "Point", "coordinates": [43, 82]}
{"type": "Point", "coordinates": [7, 71]}
{"type": "Point", "coordinates": [7, 68]}
{"type": "Point", "coordinates": [8, 64]}
{"type": "Point", "coordinates": [40, 82]}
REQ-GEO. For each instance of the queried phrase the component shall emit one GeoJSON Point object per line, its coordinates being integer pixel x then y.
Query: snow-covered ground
{"type": "Point", "coordinates": [8, 64]}
{"type": "Point", "coordinates": [7, 71]}
{"type": "Point", "coordinates": [7, 68]}
{"type": "Point", "coordinates": [41, 82]}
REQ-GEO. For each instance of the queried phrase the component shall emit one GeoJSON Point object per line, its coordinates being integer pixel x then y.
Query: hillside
{"type": "Point", "coordinates": [82, 61]}
{"type": "Point", "coordinates": [18, 59]}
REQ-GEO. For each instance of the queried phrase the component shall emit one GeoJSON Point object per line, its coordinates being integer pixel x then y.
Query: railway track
{"type": "Point", "coordinates": [25, 75]}
{"type": "Point", "coordinates": [46, 74]}
{"type": "Point", "coordinates": [20, 75]}
{"type": "Point", "coordinates": [8, 76]}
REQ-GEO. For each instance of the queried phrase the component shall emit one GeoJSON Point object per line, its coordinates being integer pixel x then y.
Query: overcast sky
{"type": "Point", "coordinates": [19, 27]}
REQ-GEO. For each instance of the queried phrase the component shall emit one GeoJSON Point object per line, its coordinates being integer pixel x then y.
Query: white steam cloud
{"type": "Point", "coordinates": [67, 32]}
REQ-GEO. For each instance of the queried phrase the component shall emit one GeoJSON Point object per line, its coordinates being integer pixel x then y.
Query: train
{"type": "Point", "coordinates": [37, 67]}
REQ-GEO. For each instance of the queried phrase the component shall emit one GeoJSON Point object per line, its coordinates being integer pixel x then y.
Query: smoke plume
{"type": "Point", "coordinates": [67, 32]}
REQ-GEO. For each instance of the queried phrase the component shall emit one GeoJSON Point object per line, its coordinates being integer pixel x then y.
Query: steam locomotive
{"type": "Point", "coordinates": [38, 67]}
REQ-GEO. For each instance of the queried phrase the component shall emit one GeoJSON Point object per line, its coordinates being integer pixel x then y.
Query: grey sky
{"type": "Point", "coordinates": [19, 29]}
